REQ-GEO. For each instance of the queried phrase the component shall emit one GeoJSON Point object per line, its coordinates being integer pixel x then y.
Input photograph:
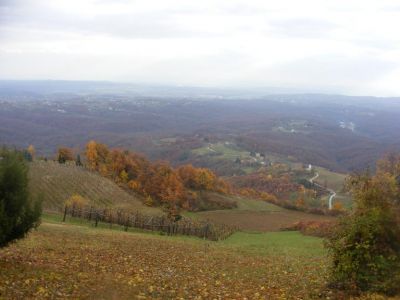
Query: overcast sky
{"type": "Point", "coordinates": [342, 46]}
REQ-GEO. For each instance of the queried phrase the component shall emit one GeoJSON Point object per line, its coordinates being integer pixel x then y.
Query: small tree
{"type": "Point", "coordinates": [64, 154]}
{"type": "Point", "coordinates": [365, 247]}
{"type": "Point", "coordinates": [76, 202]}
{"type": "Point", "coordinates": [32, 151]}
{"type": "Point", "coordinates": [18, 213]}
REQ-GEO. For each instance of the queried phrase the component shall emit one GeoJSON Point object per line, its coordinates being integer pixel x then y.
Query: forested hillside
{"type": "Point", "coordinates": [322, 130]}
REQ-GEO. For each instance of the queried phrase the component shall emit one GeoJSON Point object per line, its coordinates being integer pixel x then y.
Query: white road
{"type": "Point", "coordinates": [332, 192]}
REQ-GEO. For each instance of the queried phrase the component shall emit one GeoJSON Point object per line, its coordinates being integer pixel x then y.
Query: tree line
{"type": "Point", "coordinates": [158, 182]}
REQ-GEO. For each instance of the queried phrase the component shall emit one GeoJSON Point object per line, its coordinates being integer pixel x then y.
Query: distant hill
{"type": "Point", "coordinates": [57, 182]}
{"type": "Point", "coordinates": [340, 133]}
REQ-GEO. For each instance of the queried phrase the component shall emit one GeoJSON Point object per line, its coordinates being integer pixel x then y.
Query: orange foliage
{"type": "Point", "coordinates": [314, 228]}
{"type": "Point", "coordinates": [202, 179]}
{"type": "Point", "coordinates": [162, 183]}
{"type": "Point", "coordinates": [279, 184]}
{"type": "Point", "coordinates": [76, 201]}
{"type": "Point", "coordinates": [31, 150]}
{"type": "Point", "coordinates": [91, 155]}
{"type": "Point", "coordinates": [300, 203]}
{"type": "Point", "coordinates": [249, 192]}
{"type": "Point", "coordinates": [338, 206]}
{"type": "Point", "coordinates": [158, 182]}
{"type": "Point", "coordinates": [134, 185]}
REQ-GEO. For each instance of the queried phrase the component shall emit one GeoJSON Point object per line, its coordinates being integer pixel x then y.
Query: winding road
{"type": "Point", "coordinates": [332, 192]}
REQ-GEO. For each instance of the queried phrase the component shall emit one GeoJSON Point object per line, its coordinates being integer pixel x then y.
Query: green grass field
{"type": "Point", "coordinates": [288, 243]}
{"type": "Point", "coordinates": [333, 180]}
{"type": "Point", "coordinates": [247, 204]}
{"type": "Point", "coordinates": [225, 151]}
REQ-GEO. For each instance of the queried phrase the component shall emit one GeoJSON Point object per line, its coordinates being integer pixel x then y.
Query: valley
{"type": "Point", "coordinates": [154, 198]}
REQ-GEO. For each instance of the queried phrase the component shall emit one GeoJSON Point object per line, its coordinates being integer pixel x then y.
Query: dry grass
{"type": "Point", "coordinates": [57, 182]}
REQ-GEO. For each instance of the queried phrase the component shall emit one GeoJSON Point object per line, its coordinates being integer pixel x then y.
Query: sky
{"type": "Point", "coordinates": [342, 46]}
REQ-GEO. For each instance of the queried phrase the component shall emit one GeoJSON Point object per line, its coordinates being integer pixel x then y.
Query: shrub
{"type": "Point", "coordinates": [76, 201]}
{"type": "Point", "coordinates": [64, 154]}
{"type": "Point", "coordinates": [365, 251]}
{"type": "Point", "coordinates": [365, 247]}
{"type": "Point", "coordinates": [18, 213]}
{"type": "Point", "coordinates": [313, 228]}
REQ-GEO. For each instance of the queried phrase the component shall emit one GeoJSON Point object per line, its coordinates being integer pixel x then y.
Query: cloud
{"type": "Point", "coordinates": [304, 28]}
{"type": "Point", "coordinates": [353, 46]}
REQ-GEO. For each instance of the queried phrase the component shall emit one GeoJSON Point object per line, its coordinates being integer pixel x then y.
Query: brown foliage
{"type": "Point", "coordinates": [65, 154]}
{"type": "Point", "coordinates": [156, 181]}
{"type": "Point", "coordinates": [276, 184]}
{"type": "Point", "coordinates": [249, 192]}
{"type": "Point", "coordinates": [313, 228]}
{"type": "Point", "coordinates": [161, 182]}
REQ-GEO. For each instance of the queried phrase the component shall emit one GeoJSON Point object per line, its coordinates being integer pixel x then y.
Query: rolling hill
{"type": "Point", "coordinates": [57, 182]}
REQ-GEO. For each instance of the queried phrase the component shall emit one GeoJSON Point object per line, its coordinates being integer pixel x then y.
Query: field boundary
{"type": "Point", "coordinates": [169, 225]}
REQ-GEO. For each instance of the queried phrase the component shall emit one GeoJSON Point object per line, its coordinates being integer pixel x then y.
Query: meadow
{"type": "Point", "coordinates": [75, 260]}
{"type": "Point", "coordinates": [336, 182]}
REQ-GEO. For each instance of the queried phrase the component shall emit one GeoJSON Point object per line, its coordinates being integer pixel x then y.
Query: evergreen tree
{"type": "Point", "coordinates": [18, 214]}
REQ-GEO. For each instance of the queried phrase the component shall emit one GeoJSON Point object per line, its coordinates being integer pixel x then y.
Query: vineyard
{"type": "Point", "coordinates": [57, 182]}
{"type": "Point", "coordinates": [169, 225]}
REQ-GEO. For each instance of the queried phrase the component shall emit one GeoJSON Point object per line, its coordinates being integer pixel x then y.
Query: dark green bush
{"type": "Point", "coordinates": [366, 253]}
{"type": "Point", "coordinates": [18, 213]}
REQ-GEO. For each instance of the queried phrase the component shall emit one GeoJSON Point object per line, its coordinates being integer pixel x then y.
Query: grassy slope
{"type": "Point", "coordinates": [70, 261]}
{"type": "Point", "coordinates": [225, 151]}
{"type": "Point", "coordinates": [58, 182]}
{"type": "Point", "coordinates": [334, 181]}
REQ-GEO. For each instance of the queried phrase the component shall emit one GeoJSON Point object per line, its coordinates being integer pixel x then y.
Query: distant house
{"type": "Point", "coordinates": [309, 168]}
